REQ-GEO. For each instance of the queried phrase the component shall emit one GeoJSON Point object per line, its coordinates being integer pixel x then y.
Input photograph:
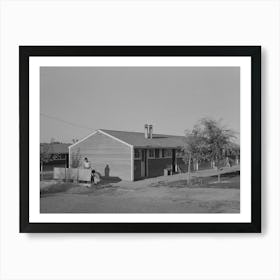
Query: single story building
{"type": "Point", "coordinates": [128, 155]}
{"type": "Point", "coordinates": [54, 154]}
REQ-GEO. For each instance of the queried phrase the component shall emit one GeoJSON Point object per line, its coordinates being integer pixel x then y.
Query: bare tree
{"type": "Point", "coordinates": [45, 157]}
{"type": "Point", "coordinates": [76, 159]}
{"type": "Point", "coordinates": [208, 140]}
{"type": "Point", "coordinates": [194, 149]}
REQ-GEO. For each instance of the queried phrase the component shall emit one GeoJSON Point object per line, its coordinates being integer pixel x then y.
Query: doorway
{"type": "Point", "coordinates": [173, 161]}
{"type": "Point", "coordinates": [144, 163]}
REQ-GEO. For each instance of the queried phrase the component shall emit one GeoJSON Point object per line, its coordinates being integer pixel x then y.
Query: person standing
{"type": "Point", "coordinates": [227, 163]}
{"type": "Point", "coordinates": [86, 163]}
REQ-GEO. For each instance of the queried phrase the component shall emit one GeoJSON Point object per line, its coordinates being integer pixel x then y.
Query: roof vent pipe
{"type": "Point", "coordinates": [151, 131]}
{"type": "Point", "coordinates": [146, 131]}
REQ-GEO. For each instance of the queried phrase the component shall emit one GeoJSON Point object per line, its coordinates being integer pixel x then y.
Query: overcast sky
{"type": "Point", "coordinates": [77, 100]}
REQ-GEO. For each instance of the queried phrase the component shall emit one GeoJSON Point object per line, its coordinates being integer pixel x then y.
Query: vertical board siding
{"type": "Point", "coordinates": [137, 169]}
{"type": "Point", "coordinates": [102, 150]}
{"type": "Point", "coordinates": [157, 166]}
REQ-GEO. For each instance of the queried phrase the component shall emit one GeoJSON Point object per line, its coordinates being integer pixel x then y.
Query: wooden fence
{"type": "Point", "coordinates": [72, 174]}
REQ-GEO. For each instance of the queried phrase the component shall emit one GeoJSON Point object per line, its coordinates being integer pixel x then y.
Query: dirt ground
{"type": "Point", "coordinates": [170, 194]}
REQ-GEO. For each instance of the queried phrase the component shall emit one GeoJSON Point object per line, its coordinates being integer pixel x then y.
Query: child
{"type": "Point", "coordinates": [95, 177]}
{"type": "Point", "coordinates": [92, 175]}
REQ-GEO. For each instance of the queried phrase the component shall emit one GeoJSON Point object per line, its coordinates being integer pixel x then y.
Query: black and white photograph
{"type": "Point", "coordinates": [135, 135]}
{"type": "Point", "coordinates": [140, 139]}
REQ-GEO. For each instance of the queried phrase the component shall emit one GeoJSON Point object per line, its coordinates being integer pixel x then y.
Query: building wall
{"type": "Point", "coordinates": [102, 150]}
{"type": "Point", "coordinates": [49, 166]}
{"type": "Point", "coordinates": [155, 167]}
{"type": "Point", "coordinates": [137, 169]}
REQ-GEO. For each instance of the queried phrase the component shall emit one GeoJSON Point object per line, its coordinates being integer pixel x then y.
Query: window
{"type": "Point", "coordinates": [168, 153]}
{"type": "Point", "coordinates": [156, 153]}
{"type": "Point", "coordinates": [136, 153]}
{"type": "Point", "coordinates": [151, 153]}
{"type": "Point", "coordinates": [62, 156]}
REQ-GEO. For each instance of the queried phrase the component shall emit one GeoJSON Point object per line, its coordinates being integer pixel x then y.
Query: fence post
{"type": "Point", "coordinates": [42, 171]}
{"type": "Point", "coordinates": [77, 175]}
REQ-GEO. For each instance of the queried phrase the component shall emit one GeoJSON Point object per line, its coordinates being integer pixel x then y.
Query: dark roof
{"type": "Point", "coordinates": [138, 139]}
{"type": "Point", "coordinates": [54, 148]}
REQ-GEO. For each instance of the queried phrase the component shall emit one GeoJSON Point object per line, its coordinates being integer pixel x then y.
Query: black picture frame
{"type": "Point", "coordinates": [25, 52]}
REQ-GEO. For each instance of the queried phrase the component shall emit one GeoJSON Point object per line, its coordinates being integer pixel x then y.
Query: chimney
{"type": "Point", "coordinates": [146, 131]}
{"type": "Point", "coordinates": [150, 131]}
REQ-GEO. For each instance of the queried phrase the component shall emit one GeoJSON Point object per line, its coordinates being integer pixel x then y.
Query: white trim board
{"type": "Point", "coordinates": [121, 141]}
{"type": "Point", "coordinates": [86, 137]}
{"type": "Point", "coordinates": [104, 133]}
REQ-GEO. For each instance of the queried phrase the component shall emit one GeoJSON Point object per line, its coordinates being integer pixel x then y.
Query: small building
{"type": "Point", "coordinates": [54, 154]}
{"type": "Point", "coordinates": [129, 155]}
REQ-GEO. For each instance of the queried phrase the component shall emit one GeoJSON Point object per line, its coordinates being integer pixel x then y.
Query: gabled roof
{"type": "Point", "coordinates": [137, 139]}
{"type": "Point", "coordinates": [54, 148]}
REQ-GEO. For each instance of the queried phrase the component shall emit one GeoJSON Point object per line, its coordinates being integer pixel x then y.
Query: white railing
{"type": "Point", "coordinates": [72, 174]}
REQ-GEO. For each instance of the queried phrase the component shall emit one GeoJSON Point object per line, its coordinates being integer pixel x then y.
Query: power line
{"type": "Point", "coordinates": [66, 122]}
